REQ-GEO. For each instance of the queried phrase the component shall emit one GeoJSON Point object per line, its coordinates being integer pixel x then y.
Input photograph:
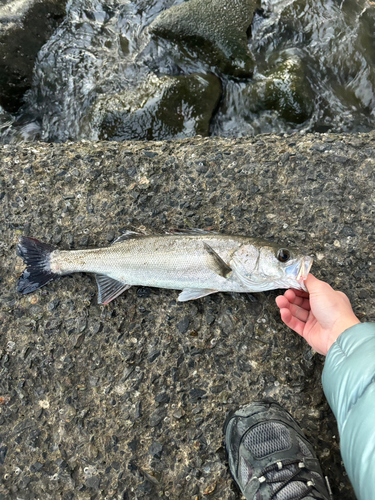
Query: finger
{"type": "Point", "coordinates": [288, 301]}
{"type": "Point", "coordinates": [295, 310]}
{"type": "Point", "coordinates": [299, 313]}
{"type": "Point", "coordinates": [301, 301]}
{"type": "Point", "coordinates": [282, 301]}
{"type": "Point", "coordinates": [295, 324]}
{"type": "Point", "coordinates": [300, 293]}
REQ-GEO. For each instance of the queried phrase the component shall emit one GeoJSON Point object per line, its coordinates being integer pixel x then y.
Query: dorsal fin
{"type": "Point", "coordinates": [108, 288]}
{"type": "Point", "coordinates": [216, 263]}
{"type": "Point", "coordinates": [128, 235]}
{"type": "Point", "coordinates": [191, 231]}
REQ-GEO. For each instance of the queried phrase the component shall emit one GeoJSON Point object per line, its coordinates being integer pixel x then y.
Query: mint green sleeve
{"type": "Point", "coordinates": [349, 385]}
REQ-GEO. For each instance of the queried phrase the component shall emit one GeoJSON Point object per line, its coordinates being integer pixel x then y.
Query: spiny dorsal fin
{"type": "Point", "coordinates": [194, 293]}
{"type": "Point", "coordinates": [191, 231]}
{"type": "Point", "coordinates": [216, 263]}
{"type": "Point", "coordinates": [108, 288]}
{"type": "Point", "coordinates": [128, 235]}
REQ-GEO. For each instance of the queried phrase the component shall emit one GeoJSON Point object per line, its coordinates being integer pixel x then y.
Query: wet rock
{"type": "Point", "coordinates": [26, 26]}
{"type": "Point", "coordinates": [366, 31]}
{"type": "Point", "coordinates": [285, 89]}
{"type": "Point", "coordinates": [98, 36]}
{"type": "Point", "coordinates": [217, 29]}
{"type": "Point", "coordinates": [161, 108]}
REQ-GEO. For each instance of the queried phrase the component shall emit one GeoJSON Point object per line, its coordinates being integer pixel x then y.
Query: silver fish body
{"type": "Point", "coordinates": [198, 263]}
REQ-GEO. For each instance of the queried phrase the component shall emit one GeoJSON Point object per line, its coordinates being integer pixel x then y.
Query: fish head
{"type": "Point", "coordinates": [270, 266]}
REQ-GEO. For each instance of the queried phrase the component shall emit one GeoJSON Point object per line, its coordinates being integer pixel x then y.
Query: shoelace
{"type": "Point", "coordinates": [293, 477]}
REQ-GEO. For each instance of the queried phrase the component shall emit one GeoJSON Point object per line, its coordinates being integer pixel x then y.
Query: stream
{"type": "Point", "coordinates": [103, 75]}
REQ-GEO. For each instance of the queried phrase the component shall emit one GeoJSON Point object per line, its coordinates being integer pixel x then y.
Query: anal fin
{"type": "Point", "coordinates": [194, 293]}
{"type": "Point", "coordinates": [108, 288]}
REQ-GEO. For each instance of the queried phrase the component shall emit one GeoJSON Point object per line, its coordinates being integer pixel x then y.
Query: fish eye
{"type": "Point", "coordinates": [283, 255]}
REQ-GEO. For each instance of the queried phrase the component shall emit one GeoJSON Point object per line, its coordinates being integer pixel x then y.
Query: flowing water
{"type": "Point", "coordinates": [314, 71]}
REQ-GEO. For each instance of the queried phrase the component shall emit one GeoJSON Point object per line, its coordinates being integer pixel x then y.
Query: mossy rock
{"type": "Point", "coordinates": [285, 90]}
{"type": "Point", "coordinates": [161, 108]}
{"type": "Point", "coordinates": [19, 47]}
{"type": "Point", "coordinates": [216, 29]}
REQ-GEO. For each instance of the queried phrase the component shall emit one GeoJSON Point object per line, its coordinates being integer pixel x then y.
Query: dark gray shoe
{"type": "Point", "coordinates": [269, 456]}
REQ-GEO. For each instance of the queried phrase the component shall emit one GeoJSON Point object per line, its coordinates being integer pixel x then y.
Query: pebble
{"type": "Point", "coordinates": [156, 450]}
{"type": "Point", "coordinates": [183, 325]}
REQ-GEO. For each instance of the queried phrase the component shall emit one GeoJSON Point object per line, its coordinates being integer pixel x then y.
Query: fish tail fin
{"type": "Point", "coordinates": [36, 255]}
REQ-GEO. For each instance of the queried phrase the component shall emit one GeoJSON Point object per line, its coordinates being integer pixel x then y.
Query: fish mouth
{"type": "Point", "coordinates": [304, 270]}
{"type": "Point", "coordinates": [299, 271]}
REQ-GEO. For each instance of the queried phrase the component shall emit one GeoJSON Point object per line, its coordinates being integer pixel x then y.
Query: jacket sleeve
{"type": "Point", "coordinates": [349, 385]}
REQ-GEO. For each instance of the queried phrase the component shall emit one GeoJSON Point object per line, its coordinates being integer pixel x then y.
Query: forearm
{"type": "Point", "coordinates": [349, 385]}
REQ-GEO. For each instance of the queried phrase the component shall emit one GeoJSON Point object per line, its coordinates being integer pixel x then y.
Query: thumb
{"type": "Point", "coordinates": [311, 281]}
{"type": "Point", "coordinates": [314, 285]}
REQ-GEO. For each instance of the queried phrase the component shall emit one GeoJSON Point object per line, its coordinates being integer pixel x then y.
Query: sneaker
{"type": "Point", "coordinates": [269, 456]}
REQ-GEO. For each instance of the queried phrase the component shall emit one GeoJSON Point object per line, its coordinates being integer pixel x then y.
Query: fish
{"type": "Point", "coordinates": [197, 262]}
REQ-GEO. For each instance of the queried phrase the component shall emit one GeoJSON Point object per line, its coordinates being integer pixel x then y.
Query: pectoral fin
{"type": "Point", "coordinates": [216, 263]}
{"type": "Point", "coordinates": [108, 288]}
{"type": "Point", "coordinates": [194, 293]}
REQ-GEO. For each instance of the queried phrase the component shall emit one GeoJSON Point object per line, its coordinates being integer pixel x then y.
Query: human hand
{"type": "Point", "coordinates": [319, 316]}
